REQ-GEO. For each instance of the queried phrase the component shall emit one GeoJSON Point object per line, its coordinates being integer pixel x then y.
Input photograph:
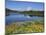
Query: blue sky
{"type": "Point", "coordinates": [21, 6]}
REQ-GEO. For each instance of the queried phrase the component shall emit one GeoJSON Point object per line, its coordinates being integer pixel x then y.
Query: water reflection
{"type": "Point", "coordinates": [14, 17]}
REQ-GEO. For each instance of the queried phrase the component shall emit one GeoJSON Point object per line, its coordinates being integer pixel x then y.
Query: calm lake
{"type": "Point", "coordinates": [15, 17]}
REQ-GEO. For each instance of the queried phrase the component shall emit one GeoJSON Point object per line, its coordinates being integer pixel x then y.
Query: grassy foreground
{"type": "Point", "coordinates": [24, 27]}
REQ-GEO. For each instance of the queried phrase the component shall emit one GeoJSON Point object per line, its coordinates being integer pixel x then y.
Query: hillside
{"type": "Point", "coordinates": [30, 13]}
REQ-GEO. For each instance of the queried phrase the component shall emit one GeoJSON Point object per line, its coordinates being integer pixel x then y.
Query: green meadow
{"type": "Point", "coordinates": [25, 27]}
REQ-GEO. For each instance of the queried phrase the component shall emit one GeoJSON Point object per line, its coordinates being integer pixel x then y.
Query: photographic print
{"type": "Point", "coordinates": [23, 17]}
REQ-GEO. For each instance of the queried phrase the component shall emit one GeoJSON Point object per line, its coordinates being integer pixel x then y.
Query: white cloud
{"type": "Point", "coordinates": [24, 9]}
{"type": "Point", "coordinates": [37, 9]}
{"type": "Point", "coordinates": [28, 8]}
{"type": "Point", "coordinates": [12, 8]}
{"type": "Point", "coordinates": [20, 9]}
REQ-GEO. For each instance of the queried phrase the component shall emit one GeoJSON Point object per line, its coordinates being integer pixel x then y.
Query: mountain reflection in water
{"type": "Point", "coordinates": [14, 17]}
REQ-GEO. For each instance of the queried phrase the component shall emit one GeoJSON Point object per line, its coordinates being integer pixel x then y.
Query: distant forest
{"type": "Point", "coordinates": [30, 12]}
